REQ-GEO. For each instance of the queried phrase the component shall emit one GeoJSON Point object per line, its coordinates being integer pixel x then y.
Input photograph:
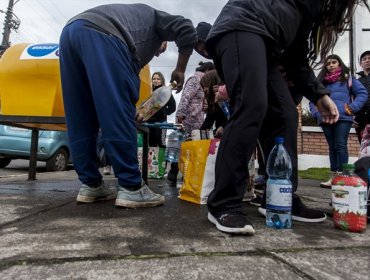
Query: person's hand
{"type": "Point", "coordinates": [327, 109]}
{"type": "Point", "coordinates": [219, 132]}
{"type": "Point", "coordinates": [180, 119]}
{"type": "Point", "coordinates": [220, 93]}
{"type": "Point", "coordinates": [178, 77]}
{"type": "Point", "coordinates": [139, 117]}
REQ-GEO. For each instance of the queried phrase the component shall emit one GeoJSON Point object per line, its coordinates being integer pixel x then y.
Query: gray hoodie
{"type": "Point", "coordinates": [142, 28]}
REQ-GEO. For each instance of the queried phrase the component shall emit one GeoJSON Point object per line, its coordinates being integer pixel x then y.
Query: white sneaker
{"type": "Point", "coordinates": [107, 170]}
{"type": "Point", "coordinates": [143, 197]}
{"type": "Point", "coordinates": [327, 184]}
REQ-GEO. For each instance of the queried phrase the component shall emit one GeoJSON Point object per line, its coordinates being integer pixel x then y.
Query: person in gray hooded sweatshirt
{"type": "Point", "coordinates": [101, 53]}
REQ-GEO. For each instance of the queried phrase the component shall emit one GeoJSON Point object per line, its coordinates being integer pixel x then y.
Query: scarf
{"type": "Point", "coordinates": [332, 77]}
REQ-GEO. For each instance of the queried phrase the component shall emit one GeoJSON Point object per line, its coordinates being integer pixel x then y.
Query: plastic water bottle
{"type": "Point", "coordinates": [279, 187]}
{"type": "Point", "coordinates": [224, 105]}
{"type": "Point", "coordinates": [155, 102]}
{"type": "Point", "coordinates": [174, 140]}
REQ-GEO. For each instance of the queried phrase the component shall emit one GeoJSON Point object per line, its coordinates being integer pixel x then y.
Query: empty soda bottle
{"type": "Point", "coordinates": [156, 101]}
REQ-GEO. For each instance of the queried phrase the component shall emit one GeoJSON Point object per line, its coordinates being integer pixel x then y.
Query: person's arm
{"type": "Point", "coordinates": [182, 32]}
{"type": "Point", "coordinates": [178, 74]}
{"type": "Point", "coordinates": [209, 120]}
{"type": "Point", "coordinates": [298, 70]}
{"type": "Point", "coordinates": [186, 96]}
{"type": "Point", "coordinates": [296, 64]}
{"type": "Point", "coordinates": [360, 96]}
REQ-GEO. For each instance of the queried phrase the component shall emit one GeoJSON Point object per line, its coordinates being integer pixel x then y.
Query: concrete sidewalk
{"type": "Point", "coordinates": [45, 234]}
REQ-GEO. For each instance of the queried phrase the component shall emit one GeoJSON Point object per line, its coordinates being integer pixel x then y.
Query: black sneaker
{"type": "Point", "coordinates": [260, 184]}
{"type": "Point", "coordinates": [257, 201]}
{"type": "Point", "coordinates": [172, 174]}
{"type": "Point", "coordinates": [232, 223]}
{"type": "Point", "coordinates": [300, 212]}
{"type": "Point", "coordinates": [171, 184]}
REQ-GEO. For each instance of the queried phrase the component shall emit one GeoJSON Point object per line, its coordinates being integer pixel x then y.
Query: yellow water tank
{"type": "Point", "coordinates": [145, 85]}
{"type": "Point", "coordinates": [30, 81]}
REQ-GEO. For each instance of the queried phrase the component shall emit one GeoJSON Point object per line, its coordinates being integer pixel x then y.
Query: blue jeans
{"type": "Point", "coordinates": [337, 135]}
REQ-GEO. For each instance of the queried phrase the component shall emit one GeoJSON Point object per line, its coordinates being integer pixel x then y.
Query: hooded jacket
{"type": "Point", "coordinates": [142, 28]}
{"type": "Point", "coordinates": [286, 25]}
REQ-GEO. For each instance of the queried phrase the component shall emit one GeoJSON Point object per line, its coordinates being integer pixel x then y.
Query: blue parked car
{"type": "Point", "coordinates": [53, 147]}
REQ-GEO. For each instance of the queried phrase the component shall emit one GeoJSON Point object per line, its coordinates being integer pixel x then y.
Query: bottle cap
{"type": "Point", "coordinates": [279, 140]}
{"type": "Point", "coordinates": [348, 166]}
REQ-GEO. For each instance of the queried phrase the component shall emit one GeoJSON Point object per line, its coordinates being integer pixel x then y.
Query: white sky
{"type": "Point", "coordinates": [43, 20]}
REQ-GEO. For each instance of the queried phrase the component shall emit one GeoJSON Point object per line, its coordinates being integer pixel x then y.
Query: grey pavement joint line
{"type": "Point", "coordinates": [292, 267]}
{"type": "Point", "coordinates": [8, 263]}
{"type": "Point", "coordinates": [4, 225]}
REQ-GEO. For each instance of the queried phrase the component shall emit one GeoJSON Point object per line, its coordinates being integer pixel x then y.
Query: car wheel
{"type": "Point", "coordinates": [4, 162]}
{"type": "Point", "coordinates": [58, 162]}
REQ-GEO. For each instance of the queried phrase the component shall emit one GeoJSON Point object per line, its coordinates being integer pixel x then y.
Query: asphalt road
{"type": "Point", "coordinates": [20, 166]}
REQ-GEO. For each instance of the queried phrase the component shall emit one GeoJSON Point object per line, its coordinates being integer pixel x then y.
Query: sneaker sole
{"type": "Point", "coordinates": [248, 230]}
{"type": "Point", "coordinates": [262, 211]}
{"type": "Point", "coordinates": [297, 218]}
{"type": "Point", "coordinates": [255, 203]}
{"type": "Point", "coordinates": [248, 199]}
{"type": "Point", "coordinates": [89, 199]}
{"type": "Point", "coordinates": [136, 204]}
{"type": "Point", "coordinates": [305, 220]}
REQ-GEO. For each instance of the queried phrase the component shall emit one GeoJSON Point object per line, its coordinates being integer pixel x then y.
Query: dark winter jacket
{"type": "Point", "coordinates": [365, 80]}
{"type": "Point", "coordinates": [286, 25]}
{"type": "Point", "coordinates": [142, 28]}
{"type": "Point", "coordinates": [214, 116]}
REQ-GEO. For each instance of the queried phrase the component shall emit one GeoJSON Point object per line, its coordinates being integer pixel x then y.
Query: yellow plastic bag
{"type": "Point", "coordinates": [197, 163]}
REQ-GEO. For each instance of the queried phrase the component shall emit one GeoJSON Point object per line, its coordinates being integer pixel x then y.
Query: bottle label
{"type": "Point", "coordinates": [279, 195]}
{"type": "Point", "coordinates": [347, 199]}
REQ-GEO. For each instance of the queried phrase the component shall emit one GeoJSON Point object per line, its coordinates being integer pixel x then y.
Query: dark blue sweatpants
{"type": "Point", "coordinates": [100, 88]}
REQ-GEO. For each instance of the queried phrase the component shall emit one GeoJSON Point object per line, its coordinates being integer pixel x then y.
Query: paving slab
{"type": "Point", "coordinates": [46, 234]}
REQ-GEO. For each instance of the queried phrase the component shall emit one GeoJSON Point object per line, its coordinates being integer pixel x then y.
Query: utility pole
{"type": "Point", "coordinates": [9, 24]}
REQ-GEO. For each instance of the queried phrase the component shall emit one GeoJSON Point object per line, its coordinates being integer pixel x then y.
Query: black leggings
{"type": "Point", "coordinates": [261, 107]}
